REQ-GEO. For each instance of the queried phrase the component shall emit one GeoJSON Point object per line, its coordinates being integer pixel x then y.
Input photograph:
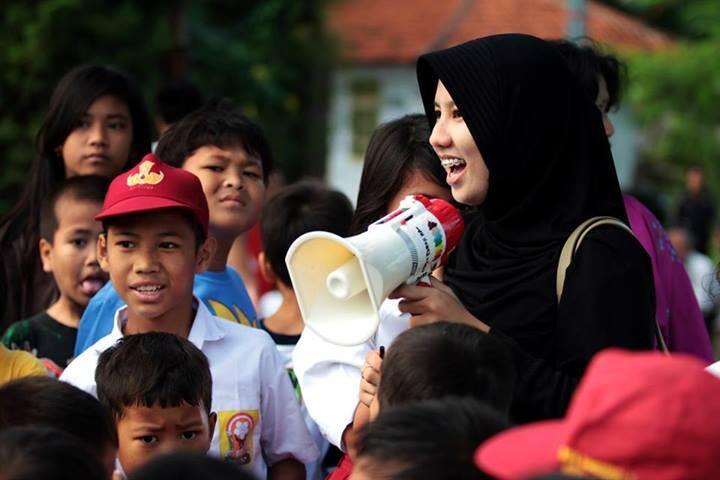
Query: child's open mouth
{"type": "Point", "coordinates": [90, 285]}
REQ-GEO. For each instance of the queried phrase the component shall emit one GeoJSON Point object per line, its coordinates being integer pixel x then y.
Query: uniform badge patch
{"type": "Point", "coordinates": [236, 435]}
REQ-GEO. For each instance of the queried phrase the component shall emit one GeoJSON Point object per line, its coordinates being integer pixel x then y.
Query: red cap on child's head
{"type": "Point", "coordinates": [153, 185]}
{"type": "Point", "coordinates": [634, 416]}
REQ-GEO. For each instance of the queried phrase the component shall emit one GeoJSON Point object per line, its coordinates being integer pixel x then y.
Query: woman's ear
{"type": "Point", "coordinates": [265, 269]}
{"type": "Point", "coordinates": [205, 254]}
{"type": "Point", "coordinates": [46, 255]}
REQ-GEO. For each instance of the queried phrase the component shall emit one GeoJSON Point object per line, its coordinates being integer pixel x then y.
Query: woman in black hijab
{"type": "Point", "coordinates": [522, 143]}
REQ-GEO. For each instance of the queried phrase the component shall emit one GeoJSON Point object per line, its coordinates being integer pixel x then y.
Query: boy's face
{"type": "Point", "coordinates": [71, 257]}
{"type": "Point", "coordinates": [145, 432]}
{"type": "Point", "coordinates": [152, 259]}
{"type": "Point", "coordinates": [233, 184]}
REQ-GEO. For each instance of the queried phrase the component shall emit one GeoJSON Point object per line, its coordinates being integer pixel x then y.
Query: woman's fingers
{"type": "Point", "coordinates": [410, 292]}
{"type": "Point", "coordinates": [374, 360]}
{"type": "Point", "coordinates": [368, 388]}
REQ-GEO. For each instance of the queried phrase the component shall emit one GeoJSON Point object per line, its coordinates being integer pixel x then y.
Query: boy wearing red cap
{"type": "Point", "coordinates": [232, 158]}
{"type": "Point", "coordinates": [155, 220]}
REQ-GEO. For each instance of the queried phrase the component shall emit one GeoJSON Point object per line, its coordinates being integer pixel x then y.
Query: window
{"type": "Point", "coordinates": [365, 104]}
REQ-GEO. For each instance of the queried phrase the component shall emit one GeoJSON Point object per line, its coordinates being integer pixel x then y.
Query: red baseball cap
{"type": "Point", "coordinates": [634, 416]}
{"type": "Point", "coordinates": [154, 185]}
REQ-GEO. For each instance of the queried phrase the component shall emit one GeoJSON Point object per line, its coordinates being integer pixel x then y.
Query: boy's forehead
{"type": "Point", "coordinates": [69, 201]}
{"type": "Point", "coordinates": [70, 208]}
{"type": "Point", "coordinates": [234, 152]}
{"type": "Point", "coordinates": [170, 414]}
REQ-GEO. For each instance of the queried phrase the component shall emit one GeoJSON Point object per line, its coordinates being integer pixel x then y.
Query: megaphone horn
{"type": "Point", "coordinates": [340, 282]}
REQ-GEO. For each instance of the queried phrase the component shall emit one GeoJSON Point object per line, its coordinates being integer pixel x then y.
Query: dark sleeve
{"type": "Point", "coordinates": [608, 301]}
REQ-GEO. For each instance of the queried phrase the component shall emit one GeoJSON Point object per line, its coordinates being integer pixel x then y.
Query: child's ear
{"type": "Point", "coordinates": [102, 257]}
{"type": "Point", "coordinates": [205, 254]}
{"type": "Point", "coordinates": [212, 420]}
{"type": "Point", "coordinates": [265, 269]}
{"type": "Point", "coordinates": [46, 255]}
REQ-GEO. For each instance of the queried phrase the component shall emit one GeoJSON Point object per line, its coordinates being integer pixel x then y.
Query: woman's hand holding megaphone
{"type": "Point", "coordinates": [436, 304]}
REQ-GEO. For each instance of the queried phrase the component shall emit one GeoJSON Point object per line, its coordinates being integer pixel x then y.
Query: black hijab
{"type": "Point", "coordinates": [550, 168]}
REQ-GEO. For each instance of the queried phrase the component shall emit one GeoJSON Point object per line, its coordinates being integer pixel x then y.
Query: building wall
{"type": "Point", "coordinates": [397, 95]}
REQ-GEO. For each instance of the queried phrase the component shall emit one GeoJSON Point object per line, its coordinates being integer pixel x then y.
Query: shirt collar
{"type": "Point", "coordinates": [205, 327]}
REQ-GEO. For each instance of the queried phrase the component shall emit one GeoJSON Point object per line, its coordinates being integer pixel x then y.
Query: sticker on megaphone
{"type": "Point", "coordinates": [340, 282]}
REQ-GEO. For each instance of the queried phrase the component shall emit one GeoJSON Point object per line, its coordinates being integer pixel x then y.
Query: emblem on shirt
{"type": "Point", "coordinates": [236, 437]}
{"type": "Point", "coordinates": [145, 176]}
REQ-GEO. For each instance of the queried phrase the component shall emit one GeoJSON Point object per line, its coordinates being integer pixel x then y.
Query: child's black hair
{"type": "Point", "coordinates": [189, 466]}
{"type": "Point", "coordinates": [151, 369]}
{"type": "Point", "coordinates": [87, 188]}
{"type": "Point", "coordinates": [444, 359]}
{"type": "Point", "coordinates": [397, 149]}
{"type": "Point", "coordinates": [34, 453]}
{"type": "Point", "coordinates": [177, 99]}
{"type": "Point", "coordinates": [586, 62]}
{"type": "Point", "coordinates": [49, 402]}
{"type": "Point", "coordinates": [298, 209]}
{"type": "Point", "coordinates": [428, 440]}
{"type": "Point", "coordinates": [217, 123]}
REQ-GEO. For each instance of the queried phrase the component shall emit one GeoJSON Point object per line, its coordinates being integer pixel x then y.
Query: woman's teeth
{"type": "Point", "coordinates": [452, 163]}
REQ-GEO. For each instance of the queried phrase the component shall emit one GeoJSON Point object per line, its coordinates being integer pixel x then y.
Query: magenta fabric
{"type": "Point", "coordinates": [677, 310]}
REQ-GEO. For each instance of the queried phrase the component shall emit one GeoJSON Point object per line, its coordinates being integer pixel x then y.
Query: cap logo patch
{"type": "Point", "coordinates": [145, 176]}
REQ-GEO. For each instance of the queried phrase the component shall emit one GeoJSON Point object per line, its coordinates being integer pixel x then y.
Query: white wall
{"type": "Point", "coordinates": [399, 96]}
{"type": "Point", "coordinates": [625, 146]}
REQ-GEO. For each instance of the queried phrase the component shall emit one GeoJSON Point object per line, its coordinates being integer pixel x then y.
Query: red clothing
{"type": "Point", "coordinates": [343, 470]}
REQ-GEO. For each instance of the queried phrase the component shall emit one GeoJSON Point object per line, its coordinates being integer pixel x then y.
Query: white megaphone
{"type": "Point", "coordinates": [341, 282]}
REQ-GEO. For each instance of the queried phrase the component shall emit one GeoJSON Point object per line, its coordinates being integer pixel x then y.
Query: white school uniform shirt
{"type": "Point", "coordinates": [329, 374]}
{"type": "Point", "coordinates": [259, 419]}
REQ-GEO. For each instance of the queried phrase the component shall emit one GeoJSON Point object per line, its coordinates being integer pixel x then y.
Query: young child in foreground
{"type": "Point", "coordinates": [431, 362]}
{"type": "Point", "coordinates": [426, 440]}
{"type": "Point", "coordinates": [155, 220]}
{"type": "Point", "coordinates": [45, 402]}
{"type": "Point", "coordinates": [158, 388]}
{"type": "Point", "coordinates": [68, 237]}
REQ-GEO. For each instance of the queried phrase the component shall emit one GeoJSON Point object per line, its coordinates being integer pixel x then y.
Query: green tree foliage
{"type": "Point", "coordinates": [675, 94]}
{"type": "Point", "coordinates": [271, 56]}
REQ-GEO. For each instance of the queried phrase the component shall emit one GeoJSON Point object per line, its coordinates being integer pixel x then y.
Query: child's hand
{"type": "Point", "coordinates": [370, 377]}
{"type": "Point", "coordinates": [434, 304]}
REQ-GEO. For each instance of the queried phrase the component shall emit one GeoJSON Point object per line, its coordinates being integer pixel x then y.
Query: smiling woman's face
{"type": "Point", "coordinates": [467, 173]}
